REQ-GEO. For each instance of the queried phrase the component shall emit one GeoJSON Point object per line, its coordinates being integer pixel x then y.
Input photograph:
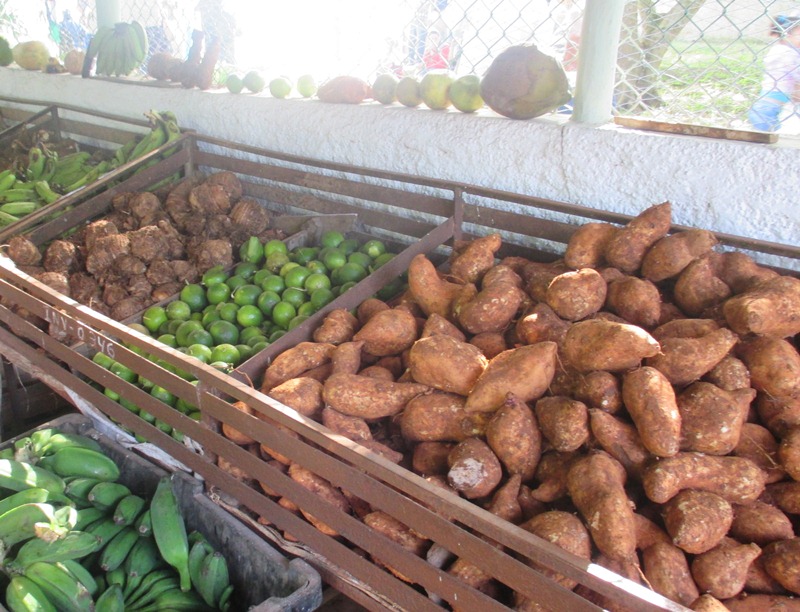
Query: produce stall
{"type": "Point", "coordinates": [355, 506]}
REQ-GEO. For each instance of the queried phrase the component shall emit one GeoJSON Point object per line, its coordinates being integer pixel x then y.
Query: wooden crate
{"type": "Point", "coordinates": [429, 214]}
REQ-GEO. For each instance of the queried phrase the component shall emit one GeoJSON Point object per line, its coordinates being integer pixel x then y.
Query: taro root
{"type": "Point", "coordinates": [248, 215]}
{"type": "Point", "coordinates": [55, 280]}
{"type": "Point", "coordinates": [185, 271]}
{"type": "Point", "coordinates": [95, 231]}
{"type": "Point", "coordinates": [229, 182]}
{"type": "Point", "coordinates": [126, 308]}
{"type": "Point", "coordinates": [146, 207]}
{"type": "Point", "coordinates": [138, 286]}
{"type": "Point", "coordinates": [175, 240]}
{"type": "Point", "coordinates": [114, 293]}
{"type": "Point", "coordinates": [61, 256]}
{"type": "Point", "coordinates": [83, 288]}
{"type": "Point", "coordinates": [23, 252]}
{"type": "Point", "coordinates": [105, 252]}
{"type": "Point", "coordinates": [207, 200]}
{"type": "Point", "coordinates": [129, 265]}
{"type": "Point", "coordinates": [148, 243]}
{"type": "Point", "coordinates": [212, 253]}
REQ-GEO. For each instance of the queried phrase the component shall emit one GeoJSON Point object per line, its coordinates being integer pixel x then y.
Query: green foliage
{"type": "Point", "coordinates": [10, 24]}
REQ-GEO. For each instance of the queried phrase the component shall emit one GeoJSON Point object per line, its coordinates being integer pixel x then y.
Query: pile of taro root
{"type": "Point", "coordinates": [636, 402]}
{"type": "Point", "coordinates": [149, 245]}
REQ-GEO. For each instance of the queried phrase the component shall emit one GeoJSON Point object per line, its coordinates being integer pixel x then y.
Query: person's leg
{"type": "Point", "coordinates": [764, 115]}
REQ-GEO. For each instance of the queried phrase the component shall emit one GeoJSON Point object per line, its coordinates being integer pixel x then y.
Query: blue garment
{"type": "Point", "coordinates": [765, 113]}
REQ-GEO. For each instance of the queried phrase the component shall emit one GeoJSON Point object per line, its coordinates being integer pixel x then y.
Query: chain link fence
{"type": "Point", "coordinates": [699, 62]}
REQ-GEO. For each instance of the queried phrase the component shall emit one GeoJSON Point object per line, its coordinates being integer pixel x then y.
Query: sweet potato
{"type": "Point", "coordinates": [429, 290]}
{"type": "Point", "coordinates": [474, 470]}
{"type": "Point", "coordinates": [712, 418]}
{"type": "Point", "coordinates": [351, 427]}
{"type": "Point", "coordinates": [737, 479]}
{"type": "Point", "coordinates": [473, 576]}
{"type": "Point", "coordinates": [489, 310]}
{"type": "Point", "coordinates": [429, 458]}
{"type": "Point", "coordinates": [685, 328]}
{"type": "Point", "coordinates": [785, 495]}
{"type": "Point", "coordinates": [551, 474]}
{"type": "Point", "coordinates": [759, 445]}
{"type": "Point", "coordinates": [722, 571]}
{"type": "Point", "coordinates": [388, 526]}
{"type": "Point", "coordinates": [778, 414]}
{"type": "Point", "coordinates": [564, 422]}
{"type": "Point", "coordinates": [741, 273]}
{"type": "Point", "coordinates": [697, 520]}
{"type": "Point", "coordinates": [760, 523]}
{"type": "Point", "coordinates": [513, 435]}
{"type": "Point", "coordinates": [439, 417]}
{"type": "Point", "coordinates": [577, 294]}
{"type": "Point", "coordinates": [699, 287]}
{"type": "Point", "coordinates": [782, 561]}
{"type": "Point", "coordinates": [666, 570]}
{"type": "Point", "coordinates": [346, 358]}
{"type": "Point", "coordinates": [379, 372]}
{"type": "Point", "coordinates": [620, 440]}
{"type": "Point", "coordinates": [627, 247]}
{"type": "Point", "coordinates": [648, 532]}
{"type": "Point", "coordinates": [770, 308]}
{"type": "Point", "coordinates": [652, 405]}
{"type": "Point", "coordinates": [671, 254]}
{"type": "Point", "coordinates": [368, 308]}
{"type": "Point", "coordinates": [587, 245]}
{"type": "Point", "coordinates": [472, 260]}
{"type": "Point", "coordinates": [269, 452]}
{"type": "Point", "coordinates": [541, 324]}
{"type": "Point", "coordinates": [505, 501]}
{"type": "Point", "coordinates": [234, 434]}
{"type": "Point", "coordinates": [789, 453]}
{"type": "Point", "coordinates": [763, 603]}
{"type": "Point", "coordinates": [322, 489]}
{"type": "Point", "coordinates": [599, 389]}
{"type": "Point", "coordinates": [491, 344]}
{"type": "Point", "coordinates": [446, 364]}
{"type": "Point", "coordinates": [525, 371]}
{"type": "Point", "coordinates": [338, 326]}
{"type": "Point", "coordinates": [388, 332]}
{"type": "Point", "coordinates": [303, 394]}
{"type": "Point", "coordinates": [708, 603]}
{"type": "Point", "coordinates": [729, 374]}
{"type": "Point", "coordinates": [294, 361]}
{"type": "Point", "coordinates": [683, 360]}
{"type": "Point", "coordinates": [368, 398]}
{"type": "Point", "coordinates": [596, 485]}
{"type": "Point", "coordinates": [436, 325]}
{"type": "Point", "coordinates": [566, 531]}
{"type": "Point", "coordinates": [502, 273]}
{"type": "Point", "coordinates": [759, 581]}
{"type": "Point", "coordinates": [636, 300]}
{"type": "Point", "coordinates": [537, 276]}
{"type": "Point", "coordinates": [774, 366]}
{"type": "Point", "coordinates": [597, 344]}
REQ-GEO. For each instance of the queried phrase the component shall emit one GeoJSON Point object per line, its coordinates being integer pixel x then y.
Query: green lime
{"type": "Point", "coordinates": [246, 270]}
{"type": "Point", "coordinates": [275, 246]}
{"type": "Point", "coordinates": [346, 286]}
{"type": "Point", "coordinates": [124, 372]}
{"type": "Point", "coordinates": [111, 394]}
{"type": "Point", "coordinates": [273, 282]}
{"type": "Point", "coordinates": [214, 275]}
{"type": "Point", "coordinates": [260, 276]}
{"type": "Point", "coordinates": [254, 81]}
{"type": "Point", "coordinates": [298, 320]}
{"type": "Point", "coordinates": [245, 352]}
{"type": "Point", "coordinates": [178, 311]}
{"type": "Point", "coordinates": [391, 290]}
{"type": "Point", "coordinates": [349, 246]}
{"type": "Point", "coordinates": [200, 336]}
{"type": "Point", "coordinates": [317, 281]}
{"type": "Point", "coordinates": [287, 267]}
{"type": "Point", "coordinates": [373, 248]}
{"type": "Point", "coordinates": [183, 406]}
{"type": "Point", "coordinates": [186, 328]}
{"type": "Point", "coordinates": [259, 346]}
{"type": "Point", "coordinates": [275, 261]}
{"type": "Point", "coordinates": [209, 318]}
{"type": "Point", "coordinates": [352, 272]}
{"type": "Point", "coordinates": [331, 238]}
{"type": "Point", "coordinates": [168, 339]}
{"type": "Point", "coordinates": [306, 85]}
{"type": "Point", "coordinates": [249, 332]}
{"type": "Point", "coordinates": [282, 313]}
{"type": "Point", "coordinates": [153, 318]}
{"type": "Point", "coordinates": [217, 293]}
{"type": "Point", "coordinates": [160, 393]}
{"type": "Point", "coordinates": [251, 251]}
{"type": "Point", "coordinates": [266, 302]}
{"type": "Point", "coordinates": [294, 296]}
{"type": "Point", "coordinates": [224, 332]}
{"type": "Point", "coordinates": [317, 267]}
{"type": "Point", "coordinates": [234, 83]}
{"type": "Point", "coordinates": [280, 87]}
{"type": "Point", "coordinates": [249, 316]}
{"type": "Point", "coordinates": [235, 281]}
{"type": "Point", "coordinates": [103, 360]}
{"type": "Point", "coordinates": [196, 316]}
{"type": "Point", "coordinates": [334, 259]}
{"type": "Point", "coordinates": [254, 340]}
{"type": "Point", "coordinates": [320, 297]}
{"type": "Point", "coordinates": [144, 383]}
{"type": "Point", "coordinates": [362, 259]}
{"type": "Point", "coordinates": [306, 309]}
{"type": "Point", "coordinates": [296, 277]}
{"type": "Point", "coordinates": [227, 311]}
{"type": "Point", "coordinates": [278, 333]}
{"type": "Point", "coordinates": [195, 296]}
{"type": "Point", "coordinates": [227, 353]}
{"type": "Point", "coordinates": [128, 405]}
{"type": "Point", "coordinates": [246, 295]}
{"type": "Point", "coordinates": [139, 328]}
{"type": "Point", "coordinates": [381, 260]}
{"type": "Point", "coordinates": [199, 351]}
{"type": "Point", "coordinates": [305, 254]}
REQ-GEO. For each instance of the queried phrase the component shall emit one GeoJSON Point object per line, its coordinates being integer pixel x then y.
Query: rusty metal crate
{"type": "Point", "coordinates": [432, 213]}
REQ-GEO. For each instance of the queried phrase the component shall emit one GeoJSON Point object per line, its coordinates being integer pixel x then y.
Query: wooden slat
{"type": "Point", "coordinates": [72, 127]}
{"type": "Point", "coordinates": [705, 131]}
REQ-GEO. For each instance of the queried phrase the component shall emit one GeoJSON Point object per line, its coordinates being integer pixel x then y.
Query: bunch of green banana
{"type": "Point", "coordinates": [118, 50]}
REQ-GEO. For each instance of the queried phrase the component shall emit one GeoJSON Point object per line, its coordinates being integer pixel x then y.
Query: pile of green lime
{"type": "Point", "coordinates": [230, 315]}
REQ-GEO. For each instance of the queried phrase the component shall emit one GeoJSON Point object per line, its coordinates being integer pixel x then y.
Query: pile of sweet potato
{"type": "Point", "coordinates": [636, 402]}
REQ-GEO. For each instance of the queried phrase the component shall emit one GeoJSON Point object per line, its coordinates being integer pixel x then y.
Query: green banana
{"type": "Point", "coordinates": [143, 43]}
{"type": "Point", "coordinates": [176, 600]}
{"type": "Point", "coordinates": [169, 530]}
{"type": "Point", "coordinates": [18, 194]}
{"type": "Point", "coordinates": [122, 152]}
{"type": "Point", "coordinates": [50, 164]}
{"type": "Point", "coordinates": [24, 595]}
{"type": "Point", "coordinates": [19, 209]}
{"type": "Point", "coordinates": [156, 137]}
{"type": "Point", "coordinates": [102, 583]}
{"type": "Point", "coordinates": [76, 159]}
{"type": "Point", "coordinates": [65, 592]}
{"type": "Point", "coordinates": [143, 559]}
{"type": "Point", "coordinates": [74, 545]}
{"type": "Point", "coordinates": [6, 219]}
{"type": "Point", "coordinates": [214, 578]}
{"type": "Point", "coordinates": [107, 494]}
{"type": "Point", "coordinates": [114, 553]}
{"type": "Point", "coordinates": [87, 516]}
{"type": "Point", "coordinates": [7, 179]}
{"type": "Point", "coordinates": [129, 508]}
{"type": "Point", "coordinates": [92, 51]}
{"type": "Point", "coordinates": [116, 576]}
{"type": "Point", "coordinates": [27, 521]}
{"type": "Point", "coordinates": [143, 524]}
{"type": "Point", "coordinates": [26, 496]}
{"type": "Point", "coordinates": [36, 161]}
{"type": "Point", "coordinates": [224, 603]}
{"type": "Point", "coordinates": [80, 573]}
{"type": "Point", "coordinates": [149, 586]}
{"type": "Point", "coordinates": [92, 175]}
{"type": "Point", "coordinates": [78, 489]}
{"type": "Point", "coordinates": [105, 529]}
{"type": "Point", "coordinates": [47, 444]}
{"type": "Point", "coordinates": [111, 600]}
{"type": "Point", "coordinates": [199, 550]}
{"type": "Point", "coordinates": [18, 475]}
{"type": "Point", "coordinates": [80, 461]}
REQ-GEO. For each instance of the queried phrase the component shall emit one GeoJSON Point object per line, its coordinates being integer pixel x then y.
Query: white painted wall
{"type": "Point", "coordinates": [739, 188]}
